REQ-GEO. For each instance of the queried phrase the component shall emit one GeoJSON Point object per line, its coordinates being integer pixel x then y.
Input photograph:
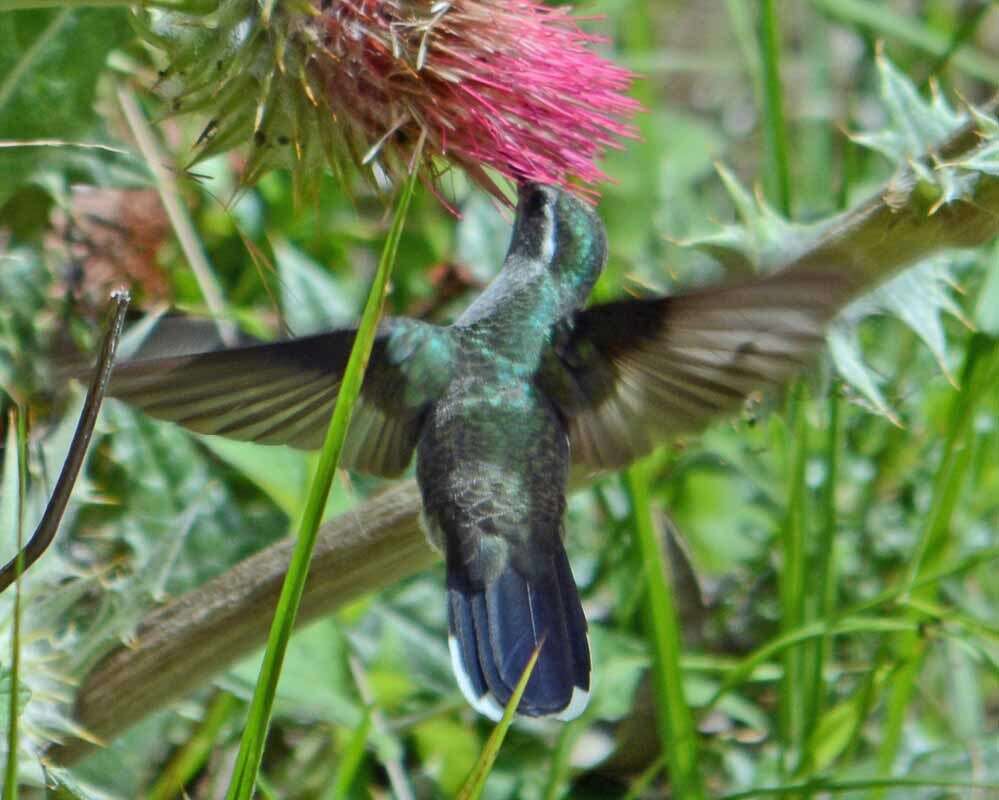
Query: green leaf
{"type": "Point", "coordinates": [449, 745]}
{"type": "Point", "coordinates": [914, 126]}
{"type": "Point", "coordinates": [51, 61]}
{"type": "Point", "coordinates": [475, 784]}
{"type": "Point", "coordinates": [764, 239]}
{"type": "Point", "coordinates": [312, 298]}
{"type": "Point", "coordinates": [834, 732]}
{"type": "Point", "coordinates": [281, 472]}
{"type": "Point", "coordinates": [620, 662]}
{"type": "Point", "coordinates": [918, 297]}
{"type": "Point", "coordinates": [987, 307]}
{"type": "Point", "coordinates": [315, 681]}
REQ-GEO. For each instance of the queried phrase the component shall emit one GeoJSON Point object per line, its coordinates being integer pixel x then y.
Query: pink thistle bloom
{"type": "Point", "coordinates": [508, 84]}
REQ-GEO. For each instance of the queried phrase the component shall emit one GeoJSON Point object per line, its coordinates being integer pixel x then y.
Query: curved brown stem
{"type": "Point", "coordinates": [49, 524]}
{"type": "Point", "coordinates": [183, 644]}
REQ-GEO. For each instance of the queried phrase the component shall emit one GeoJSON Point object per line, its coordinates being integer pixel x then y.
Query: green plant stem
{"type": "Point", "coordinates": [352, 759]}
{"type": "Point", "coordinates": [967, 27]}
{"type": "Point", "coordinates": [792, 578]}
{"type": "Point", "coordinates": [978, 377]}
{"type": "Point", "coordinates": [252, 744]}
{"type": "Point", "coordinates": [177, 213]}
{"type": "Point", "coordinates": [778, 170]}
{"type": "Point", "coordinates": [837, 787]}
{"type": "Point", "coordinates": [882, 21]}
{"type": "Point", "coordinates": [475, 784]}
{"type": "Point", "coordinates": [186, 763]}
{"type": "Point", "coordinates": [69, 5]}
{"type": "Point", "coordinates": [29, 59]}
{"type": "Point", "coordinates": [824, 568]}
{"type": "Point", "coordinates": [676, 722]}
{"type": "Point", "coordinates": [10, 771]}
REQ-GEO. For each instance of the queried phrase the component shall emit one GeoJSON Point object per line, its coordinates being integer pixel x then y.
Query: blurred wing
{"type": "Point", "coordinates": [636, 372]}
{"type": "Point", "coordinates": [282, 393]}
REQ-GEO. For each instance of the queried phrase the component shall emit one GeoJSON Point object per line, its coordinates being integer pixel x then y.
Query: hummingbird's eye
{"type": "Point", "coordinates": [536, 202]}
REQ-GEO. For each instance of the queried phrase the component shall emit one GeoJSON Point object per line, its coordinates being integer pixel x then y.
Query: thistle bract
{"type": "Point", "coordinates": [394, 85]}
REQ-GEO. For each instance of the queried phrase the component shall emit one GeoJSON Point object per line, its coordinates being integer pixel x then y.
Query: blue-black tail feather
{"type": "Point", "coordinates": [495, 629]}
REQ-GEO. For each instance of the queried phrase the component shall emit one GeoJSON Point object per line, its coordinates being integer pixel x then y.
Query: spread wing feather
{"type": "Point", "coordinates": [633, 373]}
{"type": "Point", "coordinates": [281, 393]}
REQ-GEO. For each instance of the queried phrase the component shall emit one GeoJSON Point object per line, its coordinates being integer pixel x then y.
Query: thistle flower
{"type": "Point", "coordinates": [393, 85]}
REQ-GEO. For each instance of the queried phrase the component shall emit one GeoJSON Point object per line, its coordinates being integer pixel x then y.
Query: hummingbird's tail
{"type": "Point", "coordinates": [494, 630]}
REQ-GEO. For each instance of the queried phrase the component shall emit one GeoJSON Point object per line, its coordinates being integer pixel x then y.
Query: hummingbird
{"type": "Point", "coordinates": [527, 383]}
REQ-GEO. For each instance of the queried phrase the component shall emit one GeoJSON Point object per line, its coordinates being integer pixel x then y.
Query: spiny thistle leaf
{"type": "Point", "coordinates": [512, 87]}
{"type": "Point", "coordinates": [763, 239]}
{"type": "Point", "coordinates": [915, 128]}
{"type": "Point", "coordinates": [919, 297]}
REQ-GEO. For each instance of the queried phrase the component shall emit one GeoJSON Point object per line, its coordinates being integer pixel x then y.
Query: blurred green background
{"type": "Point", "coordinates": [367, 706]}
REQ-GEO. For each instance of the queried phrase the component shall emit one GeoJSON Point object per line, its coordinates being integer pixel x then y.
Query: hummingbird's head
{"type": "Point", "coordinates": [556, 229]}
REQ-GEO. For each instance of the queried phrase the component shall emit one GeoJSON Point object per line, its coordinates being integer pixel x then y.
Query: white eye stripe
{"type": "Point", "coordinates": [549, 241]}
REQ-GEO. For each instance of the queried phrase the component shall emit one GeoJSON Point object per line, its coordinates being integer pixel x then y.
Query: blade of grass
{"type": "Point", "coordinates": [17, 442]}
{"type": "Point", "coordinates": [792, 582]}
{"type": "Point", "coordinates": [824, 568]}
{"type": "Point", "coordinates": [977, 378]}
{"type": "Point", "coordinates": [644, 780]}
{"type": "Point", "coordinates": [193, 755]}
{"type": "Point", "coordinates": [476, 781]}
{"type": "Point", "coordinates": [838, 787]}
{"type": "Point", "coordinates": [561, 763]}
{"type": "Point", "coordinates": [883, 21]}
{"type": "Point", "coordinates": [778, 173]}
{"type": "Point", "coordinates": [252, 745]}
{"type": "Point", "coordinates": [352, 759]}
{"type": "Point", "coordinates": [844, 625]}
{"type": "Point", "coordinates": [675, 720]}
{"type": "Point", "coordinates": [176, 211]}
{"type": "Point", "coordinates": [967, 27]}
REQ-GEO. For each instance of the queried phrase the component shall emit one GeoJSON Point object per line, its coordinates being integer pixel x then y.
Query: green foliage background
{"type": "Point", "coordinates": [901, 701]}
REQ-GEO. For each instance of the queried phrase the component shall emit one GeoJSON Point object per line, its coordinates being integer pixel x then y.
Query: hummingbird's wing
{"type": "Point", "coordinates": [629, 374]}
{"type": "Point", "coordinates": [283, 393]}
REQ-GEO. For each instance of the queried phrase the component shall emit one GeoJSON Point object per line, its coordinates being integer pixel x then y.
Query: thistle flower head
{"type": "Point", "coordinates": [393, 85]}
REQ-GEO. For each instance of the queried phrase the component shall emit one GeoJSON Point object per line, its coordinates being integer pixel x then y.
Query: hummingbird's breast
{"type": "Point", "coordinates": [492, 461]}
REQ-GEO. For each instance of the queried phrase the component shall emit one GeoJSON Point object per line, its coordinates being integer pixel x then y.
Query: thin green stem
{"type": "Point", "coordinates": [824, 568]}
{"type": "Point", "coordinates": [192, 756]}
{"type": "Point", "coordinates": [977, 379]}
{"type": "Point", "coordinates": [775, 131]}
{"type": "Point", "coordinates": [968, 23]}
{"type": "Point", "coordinates": [10, 771]}
{"type": "Point", "coordinates": [352, 759]}
{"type": "Point", "coordinates": [823, 785]}
{"type": "Point", "coordinates": [475, 783]}
{"type": "Point", "coordinates": [881, 20]}
{"type": "Point", "coordinates": [252, 745]}
{"type": "Point", "coordinates": [69, 5]}
{"type": "Point", "coordinates": [792, 577]}
{"type": "Point", "coordinates": [28, 60]}
{"type": "Point", "coordinates": [676, 722]}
